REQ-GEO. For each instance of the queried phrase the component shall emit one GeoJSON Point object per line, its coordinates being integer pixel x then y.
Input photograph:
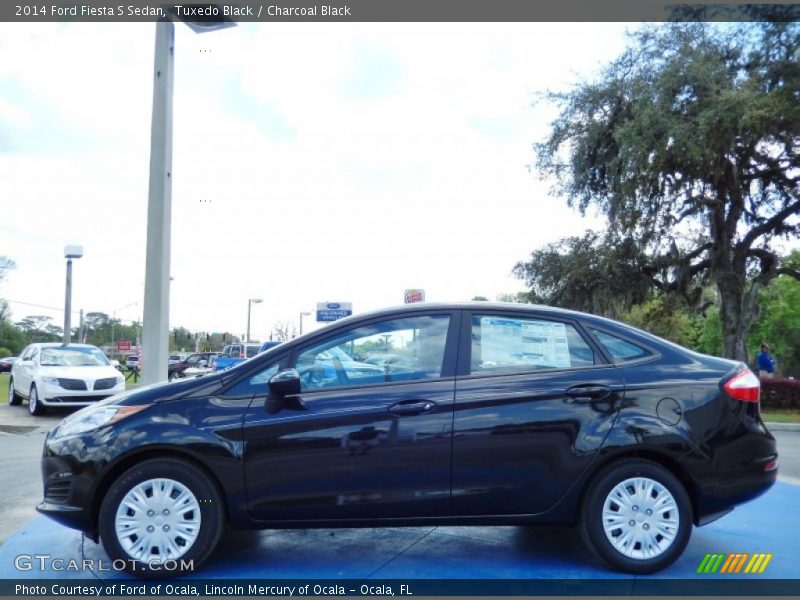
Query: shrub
{"type": "Point", "coordinates": [780, 393]}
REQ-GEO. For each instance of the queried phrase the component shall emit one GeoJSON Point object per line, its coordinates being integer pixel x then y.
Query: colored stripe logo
{"type": "Point", "coordinates": [734, 563]}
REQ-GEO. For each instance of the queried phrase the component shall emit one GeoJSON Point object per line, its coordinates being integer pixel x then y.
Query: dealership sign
{"type": "Point", "coordinates": [331, 311]}
{"type": "Point", "coordinates": [413, 296]}
{"type": "Point", "coordinates": [124, 345]}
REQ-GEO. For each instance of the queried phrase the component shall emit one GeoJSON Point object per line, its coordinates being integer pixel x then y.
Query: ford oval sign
{"type": "Point", "coordinates": [334, 305]}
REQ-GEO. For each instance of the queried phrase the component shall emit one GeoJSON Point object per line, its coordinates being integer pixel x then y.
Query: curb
{"type": "Point", "coordinates": [783, 426]}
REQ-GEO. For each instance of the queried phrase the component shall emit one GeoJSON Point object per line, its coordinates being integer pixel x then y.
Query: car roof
{"type": "Point", "coordinates": [60, 344]}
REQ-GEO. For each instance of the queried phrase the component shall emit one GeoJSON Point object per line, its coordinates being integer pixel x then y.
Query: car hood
{"type": "Point", "coordinates": [91, 372]}
{"type": "Point", "coordinates": [164, 391]}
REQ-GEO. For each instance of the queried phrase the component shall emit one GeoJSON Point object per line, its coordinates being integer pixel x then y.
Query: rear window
{"type": "Point", "coordinates": [252, 351]}
{"type": "Point", "coordinates": [619, 349]}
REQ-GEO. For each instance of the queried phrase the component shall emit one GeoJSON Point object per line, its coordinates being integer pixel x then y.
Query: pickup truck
{"type": "Point", "coordinates": [200, 359]}
{"type": "Point", "coordinates": [233, 354]}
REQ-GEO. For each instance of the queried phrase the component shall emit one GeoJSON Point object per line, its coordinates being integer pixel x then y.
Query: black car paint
{"type": "Point", "coordinates": [522, 450]}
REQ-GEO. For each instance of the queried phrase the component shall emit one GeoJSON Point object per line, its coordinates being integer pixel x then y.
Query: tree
{"type": "Point", "coordinates": [38, 328]}
{"type": "Point", "coordinates": [779, 320]}
{"type": "Point", "coordinates": [6, 265]}
{"type": "Point", "coordinates": [283, 331]}
{"type": "Point", "coordinates": [590, 273]}
{"type": "Point", "coordinates": [518, 298]}
{"type": "Point", "coordinates": [689, 143]}
{"type": "Point", "coordinates": [479, 299]}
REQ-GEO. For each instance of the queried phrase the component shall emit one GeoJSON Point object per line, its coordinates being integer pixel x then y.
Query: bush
{"type": "Point", "coordinates": [780, 393]}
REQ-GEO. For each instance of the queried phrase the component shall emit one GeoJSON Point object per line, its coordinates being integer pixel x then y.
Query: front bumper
{"type": "Point", "coordinates": [67, 495]}
{"type": "Point", "coordinates": [54, 395]}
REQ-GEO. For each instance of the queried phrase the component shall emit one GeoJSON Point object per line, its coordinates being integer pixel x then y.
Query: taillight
{"type": "Point", "coordinates": [744, 386]}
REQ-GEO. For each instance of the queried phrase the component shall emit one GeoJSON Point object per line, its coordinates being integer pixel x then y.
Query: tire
{"type": "Point", "coordinates": [35, 407]}
{"type": "Point", "coordinates": [202, 516]}
{"type": "Point", "coordinates": [623, 494]}
{"type": "Point", "coordinates": [14, 399]}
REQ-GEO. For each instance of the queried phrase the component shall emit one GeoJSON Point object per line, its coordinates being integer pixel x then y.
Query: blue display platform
{"type": "Point", "coordinates": [769, 524]}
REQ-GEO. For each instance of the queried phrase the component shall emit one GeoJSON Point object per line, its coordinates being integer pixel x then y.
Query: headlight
{"type": "Point", "coordinates": [51, 380]}
{"type": "Point", "coordinates": [120, 379]}
{"type": "Point", "coordinates": [96, 417]}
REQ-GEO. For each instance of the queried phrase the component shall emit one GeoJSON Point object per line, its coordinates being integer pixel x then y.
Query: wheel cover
{"type": "Point", "coordinates": [157, 520]}
{"type": "Point", "coordinates": [33, 400]}
{"type": "Point", "coordinates": [640, 518]}
{"type": "Point", "coordinates": [10, 391]}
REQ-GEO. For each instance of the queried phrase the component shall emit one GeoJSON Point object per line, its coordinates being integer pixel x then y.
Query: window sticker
{"type": "Point", "coordinates": [517, 342]}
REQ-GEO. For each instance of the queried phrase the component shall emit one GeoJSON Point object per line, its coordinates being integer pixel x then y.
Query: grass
{"type": "Point", "coordinates": [780, 416]}
{"type": "Point", "coordinates": [4, 377]}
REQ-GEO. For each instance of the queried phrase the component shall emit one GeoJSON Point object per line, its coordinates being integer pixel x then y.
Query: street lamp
{"type": "Point", "coordinates": [155, 334]}
{"type": "Point", "coordinates": [250, 302]}
{"type": "Point", "coordinates": [303, 314]}
{"type": "Point", "coordinates": [70, 252]}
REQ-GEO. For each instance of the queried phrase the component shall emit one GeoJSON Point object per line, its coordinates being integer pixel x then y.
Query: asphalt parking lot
{"type": "Point", "coordinates": [418, 552]}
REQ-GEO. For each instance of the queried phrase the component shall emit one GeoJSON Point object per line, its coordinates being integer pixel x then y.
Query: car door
{"type": "Point", "coordinates": [361, 442]}
{"type": "Point", "coordinates": [23, 374]}
{"type": "Point", "coordinates": [534, 401]}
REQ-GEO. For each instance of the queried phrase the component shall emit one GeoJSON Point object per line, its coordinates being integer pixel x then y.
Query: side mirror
{"type": "Point", "coordinates": [284, 392]}
{"type": "Point", "coordinates": [285, 383]}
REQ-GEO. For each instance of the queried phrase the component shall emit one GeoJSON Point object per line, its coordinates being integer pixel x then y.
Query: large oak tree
{"type": "Point", "coordinates": [688, 143]}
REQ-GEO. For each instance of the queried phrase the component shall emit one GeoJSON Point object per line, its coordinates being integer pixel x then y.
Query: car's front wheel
{"type": "Point", "coordinates": [637, 516]}
{"type": "Point", "coordinates": [35, 407]}
{"type": "Point", "coordinates": [162, 518]}
{"type": "Point", "coordinates": [14, 399]}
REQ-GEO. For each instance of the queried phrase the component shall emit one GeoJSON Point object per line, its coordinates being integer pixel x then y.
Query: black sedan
{"type": "Point", "coordinates": [502, 414]}
{"type": "Point", "coordinates": [6, 363]}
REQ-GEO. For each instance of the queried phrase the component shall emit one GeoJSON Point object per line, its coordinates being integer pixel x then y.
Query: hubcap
{"type": "Point", "coordinates": [10, 391]}
{"type": "Point", "coordinates": [33, 400]}
{"type": "Point", "coordinates": [640, 518]}
{"type": "Point", "coordinates": [158, 520]}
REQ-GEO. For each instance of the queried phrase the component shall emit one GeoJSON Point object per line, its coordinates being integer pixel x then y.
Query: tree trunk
{"type": "Point", "coordinates": [735, 318]}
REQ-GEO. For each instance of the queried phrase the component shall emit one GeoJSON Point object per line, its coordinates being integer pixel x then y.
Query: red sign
{"type": "Point", "coordinates": [413, 296]}
{"type": "Point", "coordinates": [124, 345]}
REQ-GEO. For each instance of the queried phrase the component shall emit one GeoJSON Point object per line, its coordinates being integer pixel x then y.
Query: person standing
{"type": "Point", "coordinates": [764, 362]}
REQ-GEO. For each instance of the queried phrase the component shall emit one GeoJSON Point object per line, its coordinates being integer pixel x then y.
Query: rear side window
{"type": "Point", "coordinates": [510, 344]}
{"type": "Point", "coordinates": [619, 349]}
{"type": "Point", "coordinates": [252, 351]}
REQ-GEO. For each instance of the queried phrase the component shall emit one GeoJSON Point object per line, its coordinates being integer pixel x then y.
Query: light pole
{"type": "Point", "coordinates": [303, 314]}
{"type": "Point", "coordinates": [250, 302]}
{"type": "Point", "coordinates": [70, 252]}
{"type": "Point", "coordinates": [155, 329]}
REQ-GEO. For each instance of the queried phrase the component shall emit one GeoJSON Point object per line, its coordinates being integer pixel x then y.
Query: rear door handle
{"type": "Point", "coordinates": [585, 393]}
{"type": "Point", "coordinates": [412, 407]}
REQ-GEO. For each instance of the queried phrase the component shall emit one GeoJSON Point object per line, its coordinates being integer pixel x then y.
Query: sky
{"type": "Point", "coordinates": [311, 162]}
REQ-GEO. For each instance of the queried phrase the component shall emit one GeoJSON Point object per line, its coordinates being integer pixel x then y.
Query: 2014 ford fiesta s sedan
{"type": "Point", "coordinates": [491, 414]}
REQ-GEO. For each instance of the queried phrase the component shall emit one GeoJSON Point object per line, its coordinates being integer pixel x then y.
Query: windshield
{"type": "Point", "coordinates": [72, 357]}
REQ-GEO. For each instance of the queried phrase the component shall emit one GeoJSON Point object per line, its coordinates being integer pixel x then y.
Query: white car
{"type": "Point", "coordinates": [62, 375]}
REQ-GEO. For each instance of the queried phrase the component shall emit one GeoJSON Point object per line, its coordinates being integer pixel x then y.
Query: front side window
{"type": "Point", "coordinates": [510, 344]}
{"type": "Point", "coordinates": [409, 348]}
{"type": "Point", "coordinates": [257, 383]}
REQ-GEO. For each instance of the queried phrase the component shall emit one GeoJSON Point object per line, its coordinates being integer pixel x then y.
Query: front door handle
{"type": "Point", "coordinates": [412, 407]}
{"type": "Point", "coordinates": [586, 393]}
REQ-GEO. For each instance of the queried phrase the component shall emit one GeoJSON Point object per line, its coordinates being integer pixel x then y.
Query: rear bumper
{"type": "Point", "coordinates": [740, 483]}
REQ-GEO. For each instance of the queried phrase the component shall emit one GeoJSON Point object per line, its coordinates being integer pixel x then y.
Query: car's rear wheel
{"type": "Point", "coordinates": [14, 399]}
{"type": "Point", "coordinates": [35, 407]}
{"type": "Point", "coordinates": [162, 517]}
{"type": "Point", "coordinates": [637, 516]}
